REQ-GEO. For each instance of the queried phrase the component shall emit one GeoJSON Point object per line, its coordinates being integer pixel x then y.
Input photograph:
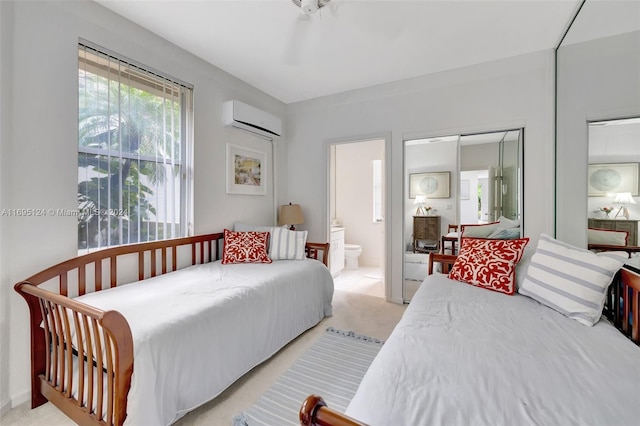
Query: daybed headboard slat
{"type": "Point", "coordinates": [202, 252]}
{"type": "Point", "coordinates": [98, 275]}
{"type": "Point", "coordinates": [114, 274]}
{"type": "Point", "coordinates": [153, 262]}
{"type": "Point", "coordinates": [174, 259]}
{"type": "Point", "coordinates": [164, 260]}
{"type": "Point", "coordinates": [140, 265]}
{"type": "Point", "coordinates": [63, 284]}
{"type": "Point", "coordinates": [82, 280]}
{"type": "Point", "coordinates": [193, 253]}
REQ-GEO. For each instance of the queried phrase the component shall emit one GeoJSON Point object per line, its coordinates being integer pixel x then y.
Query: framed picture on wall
{"type": "Point", "coordinates": [246, 171]}
{"type": "Point", "coordinates": [607, 179]}
{"type": "Point", "coordinates": [431, 185]}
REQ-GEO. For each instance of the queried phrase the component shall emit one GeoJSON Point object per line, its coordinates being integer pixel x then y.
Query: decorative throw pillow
{"type": "Point", "coordinates": [489, 263]}
{"type": "Point", "coordinates": [287, 245]}
{"type": "Point", "coordinates": [245, 247]}
{"type": "Point", "coordinates": [479, 231]}
{"type": "Point", "coordinates": [244, 227]}
{"type": "Point", "coordinates": [571, 280]}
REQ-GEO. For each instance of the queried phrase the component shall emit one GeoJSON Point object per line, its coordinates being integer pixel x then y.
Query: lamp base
{"type": "Point", "coordinates": [624, 211]}
{"type": "Point", "coordinates": [292, 228]}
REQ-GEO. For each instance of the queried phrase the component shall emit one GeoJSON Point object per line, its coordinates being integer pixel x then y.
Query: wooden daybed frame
{"type": "Point", "coordinates": [622, 308]}
{"type": "Point", "coordinates": [101, 385]}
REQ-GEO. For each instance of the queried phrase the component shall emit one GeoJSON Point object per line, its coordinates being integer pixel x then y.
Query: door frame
{"type": "Point", "coordinates": [386, 185]}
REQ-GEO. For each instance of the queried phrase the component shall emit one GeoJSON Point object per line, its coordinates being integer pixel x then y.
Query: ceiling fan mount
{"type": "Point", "coordinates": [309, 7]}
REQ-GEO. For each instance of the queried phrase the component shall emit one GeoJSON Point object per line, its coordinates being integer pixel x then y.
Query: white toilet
{"type": "Point", "coordinates": [351, 253]}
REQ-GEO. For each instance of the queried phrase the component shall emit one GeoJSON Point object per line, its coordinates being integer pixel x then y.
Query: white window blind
{"type": "Point", "coordinates": [134, 152]}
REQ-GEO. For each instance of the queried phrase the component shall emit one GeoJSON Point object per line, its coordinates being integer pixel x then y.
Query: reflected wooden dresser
{"type": "Point", "coordinates": [631, 226]}
{"type": "Point", "coordinates": [426, 234]}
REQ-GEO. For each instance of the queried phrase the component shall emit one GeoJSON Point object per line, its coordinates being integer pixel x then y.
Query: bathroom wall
{"type": "Point", "coordinates": [354, 198]}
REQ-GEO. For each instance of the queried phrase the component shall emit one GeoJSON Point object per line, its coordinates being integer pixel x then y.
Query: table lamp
{"type": "Point", "coordinates": [420, 200]}
{"type": "Point", "coordinates": [290, 214]}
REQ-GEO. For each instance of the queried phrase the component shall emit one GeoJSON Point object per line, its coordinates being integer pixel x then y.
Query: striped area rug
{"type": "Point", "coordinates": [332, 368]}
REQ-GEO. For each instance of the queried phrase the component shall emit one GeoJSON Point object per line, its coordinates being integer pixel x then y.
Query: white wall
{"type": "Point", "coordinates": [6, 28]}
{"type": "Point", "coordinates": [41, 140]}
{"type": "Point", "coordinates": [354, 198]}
{"type": "Point", "coordinates": [509, 93]}
{"type": "Point", "coordinates": [597, 80]}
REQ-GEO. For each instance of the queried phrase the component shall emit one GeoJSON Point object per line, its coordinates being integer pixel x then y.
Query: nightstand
{"type": "Point", "coordinates": [426, 234]}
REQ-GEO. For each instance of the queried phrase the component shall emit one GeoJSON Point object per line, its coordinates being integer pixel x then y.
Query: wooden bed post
{"type": "Point", "coordinates": [38, 347]}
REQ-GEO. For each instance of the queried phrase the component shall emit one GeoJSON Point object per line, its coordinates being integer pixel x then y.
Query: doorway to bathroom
{"type": "Point", "coordinates": [356, 216]}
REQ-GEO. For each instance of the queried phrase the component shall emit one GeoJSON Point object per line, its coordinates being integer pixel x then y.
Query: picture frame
{"type": "Point", "coordinates": [607, 179]}
{"type": "Point", "coordinates": [431, 185]}
{"type": "Point", "coordinates": [246, 171]}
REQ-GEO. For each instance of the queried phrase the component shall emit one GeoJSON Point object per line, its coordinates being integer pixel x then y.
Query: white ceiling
{"type": "Point", "coordinates": [349, 44]}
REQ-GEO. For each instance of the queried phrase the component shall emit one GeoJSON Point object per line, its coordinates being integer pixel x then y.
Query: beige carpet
{"type": "Point", "coordinates": [363, 314]}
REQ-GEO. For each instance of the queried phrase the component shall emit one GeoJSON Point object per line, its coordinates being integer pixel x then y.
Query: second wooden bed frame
{"type": "Point", "coordinates": [82, 357]}
{"type": "Point", "coordinates": [622, 308]}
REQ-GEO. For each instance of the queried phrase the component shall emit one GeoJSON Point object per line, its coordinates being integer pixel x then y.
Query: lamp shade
{"type": "Point", "coordinates": [420, 199]}
{"type": "Point", "coordinates": [624, 198]}
{"type": "Point", "coordinates": [290, 214]}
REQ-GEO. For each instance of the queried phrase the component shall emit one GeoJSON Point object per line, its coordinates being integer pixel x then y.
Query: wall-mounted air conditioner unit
{"type": "Point", "coordinates": [243, 116]}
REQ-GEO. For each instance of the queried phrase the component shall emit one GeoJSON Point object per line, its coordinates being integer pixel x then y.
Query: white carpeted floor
{"type": "Point", "coordinates": [361, 313]}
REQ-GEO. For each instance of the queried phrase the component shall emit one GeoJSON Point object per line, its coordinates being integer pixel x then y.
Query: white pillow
{"type": "Point", "coordinates": [605, 236]}
{"type": "Point", "coordinates": [287, 245]}
{"type": "Point", "coordinates": [571, 280]}
{"type": "Point", "coordinates": [506, 234]}
{"type": "Point", "coordinates": [480, 231]}
{"type": "Point", "coordinates": [508, 223]}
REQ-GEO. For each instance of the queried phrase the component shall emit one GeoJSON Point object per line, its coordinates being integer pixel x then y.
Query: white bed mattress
{"type": "Point", "coordinates": [198, 330]}
{"type": "Point", "coordinates": [462, 355]}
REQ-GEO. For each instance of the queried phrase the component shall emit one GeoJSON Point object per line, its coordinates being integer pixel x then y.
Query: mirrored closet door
{"type": "Point", "coordinates": [457, 179]}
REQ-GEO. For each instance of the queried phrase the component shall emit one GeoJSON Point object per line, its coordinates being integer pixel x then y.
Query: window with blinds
{"type": "Point", "coordinates": [134, 152]}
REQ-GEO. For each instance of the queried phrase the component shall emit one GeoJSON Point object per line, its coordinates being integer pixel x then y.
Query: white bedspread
{"type": "Point", "coordinates": [462, 355]}
{"type": "Point", "coordinates": [198, 330]}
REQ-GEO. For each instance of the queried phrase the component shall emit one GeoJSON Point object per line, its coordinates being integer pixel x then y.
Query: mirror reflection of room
{"type": "Point", "coordinates": [482, 175]}
{"type": "Point", "coordinates": [613, 198]}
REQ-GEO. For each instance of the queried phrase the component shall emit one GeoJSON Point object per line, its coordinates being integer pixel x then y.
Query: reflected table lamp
{"type": "Point", "coordinates": [290, 214]}
{"type": "Point", "coordinates": [420, 200]}
{"type": "Point", "coordinates": [623, 198]}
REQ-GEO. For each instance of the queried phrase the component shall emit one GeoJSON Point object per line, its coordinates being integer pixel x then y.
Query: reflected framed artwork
{"type": "Point", "coordinates": [246, 171]}
{"type": "Point", "coordinates": [431, 185]}
{"type": "Point", "coordinates": [607, 179]}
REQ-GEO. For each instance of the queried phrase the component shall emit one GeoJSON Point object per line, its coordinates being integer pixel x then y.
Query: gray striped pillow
{"type": "Point", "coordinates": [571, 280]}
{"type": "Point", "coordinates": [286, 244]}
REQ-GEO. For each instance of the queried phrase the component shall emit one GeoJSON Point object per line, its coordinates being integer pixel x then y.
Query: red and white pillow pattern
{"type": "Point", "coordinates": [489, 263]}
{"type": "Point", "coordinates": [245, 247]}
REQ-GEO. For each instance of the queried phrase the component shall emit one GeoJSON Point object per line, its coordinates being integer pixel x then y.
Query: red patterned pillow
{"type": "Point", "coordinates": [245, 247]}
{"type": "Point", "coordinates": [489, 263]}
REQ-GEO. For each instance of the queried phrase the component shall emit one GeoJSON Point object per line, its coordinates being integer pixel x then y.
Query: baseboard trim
{"type": "Point", "coordinates": [21, 398]}
{"type": "Point", "coordinates": [397, 300]}
{"type": "Point", "coordinates": [5, 407]}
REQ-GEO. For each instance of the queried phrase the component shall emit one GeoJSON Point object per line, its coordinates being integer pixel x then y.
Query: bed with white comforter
{"type": "Point", "coordinates": [462, 355]}
{"type": "Point", "coordinates": [199, 329]}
